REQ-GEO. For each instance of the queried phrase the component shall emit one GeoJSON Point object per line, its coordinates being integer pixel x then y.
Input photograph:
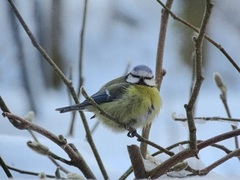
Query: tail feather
{"type": "Point", "coordinates": [77, 107]}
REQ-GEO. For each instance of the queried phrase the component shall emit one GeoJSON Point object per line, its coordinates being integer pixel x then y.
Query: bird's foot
{"type": "Point", "coordinates": [131, 131]}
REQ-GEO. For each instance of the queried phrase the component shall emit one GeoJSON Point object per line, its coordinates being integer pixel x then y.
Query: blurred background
{"type": "Point", "coordinates": [119, 34]}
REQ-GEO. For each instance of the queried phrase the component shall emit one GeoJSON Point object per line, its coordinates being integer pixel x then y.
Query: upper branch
{"type": "Point", "coordinates": [184, 22]}
{"type": "Point", "coordinates": [199, 77]}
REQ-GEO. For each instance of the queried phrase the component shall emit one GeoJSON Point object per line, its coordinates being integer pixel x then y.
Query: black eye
{"type": "Point", "coordinates": [148, 78]}
{"type": "Point", "coordinates": [135, 76]}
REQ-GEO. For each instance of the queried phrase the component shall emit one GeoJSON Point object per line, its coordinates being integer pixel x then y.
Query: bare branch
{"type": "Point", "coordinates": [127, 173]}
{"type": "Point", "coordinates": [142, 139]}
{"type": "Point", "coordinates": [214, 118]}
{"type": "Point", "coordinates": [169, 163]}
{"type": "Point", "coordinates": [187, 153]}
{"type": "Point", "coordinates": [137, 162]}
{"type": "Point", "coordinates": [28, 172]}
{"type": "Point", "coordinates": [218, 46]}
{"type": "Point", "coordinates": [3, 106]}
{"type": "Point", "coordinates": [80, 62]}
{"type": "Point", "coordinates": [161, 44]}
{"type": "Point", "coordinates": [76, 160]}
{"type": "Point", "coordinates": [5, 168]}
{"type": "Point", "coordinates": [159, 72]}
{"type": "Point", "coordinates": [223, 96]}
{"type": "Point", "coordinates": [219, 138]}
{"type": "Point", "coordinates": [199, 77]}
{"type": "Point", "coordinates": [218, 146]}
{"type": "Point", "coordinates": [219, 162]}
{"type": "Point", "coordinates": [82, 33]}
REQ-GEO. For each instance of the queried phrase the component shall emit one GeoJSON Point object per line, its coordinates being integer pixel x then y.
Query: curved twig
{"type": "Point", "coordinates": [76, 160]}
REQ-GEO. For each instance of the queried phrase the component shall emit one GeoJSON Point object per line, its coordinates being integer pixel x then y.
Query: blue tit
{"type": "Point", "coordinates": [133, 100]}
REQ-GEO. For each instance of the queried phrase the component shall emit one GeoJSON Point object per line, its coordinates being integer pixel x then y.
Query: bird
{"type": "Point", "coordinates": [133, 100]}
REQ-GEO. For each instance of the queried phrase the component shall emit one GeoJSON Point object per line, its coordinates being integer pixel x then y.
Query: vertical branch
{"type": "Point", "coordinates": [161, 44]}
{"type": "Point", "coordinates": [199, 77]}
{"type": "Point", "coordinates": [55, 41]}
{"type": "Point", "coordinates": [137, 162]}
{"type": "Point", "coordinates": [22, 62]}
{"type": "Point", "coordinates": [224, 100]}
{"type": "Point", "coordinates": [80, 61]}
{"type": "Point", "coordinates": [159, 63]}
{"type": "Point", "coordinates": [82, 33]}
{"type": "Point", "coordinates": [223, 97]}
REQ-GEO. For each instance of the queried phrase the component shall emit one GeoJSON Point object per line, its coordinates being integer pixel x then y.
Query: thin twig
{"type": "Point", "coordinates": [214, 118]}
{"type": "Point", "coordinates": [126, 173]}
{"type": "Point", "coordinates": [187, 153]}
{"type": "Point", "coordinates": [223, 96]}
{"type": "Point", "coordinates": [73, 114]}
{"type": "Point", "coordinates": [219, 162]}
{"type": "Point", "coordinates": [225, 103]}
{"type": "Point", "coordinates": [193, 81]}
{"type": "Point", "coordinates": [50, 157]}
{"type": "Point", "coordinates": [5, 168]}
{"type": "Point", "coordinates": [142, 139]}
{"type": "Point", "coordinates": [218, 46]}
{"type": "Point", "coordinates": [199, 77]}
{"type": "Point", "coordinates": [218, 146]}
{"type": "Point", "coordinates": [28, 172]}
{"type": "Point", "coordinates": [80, 62]}
{"type": "Point", "coordinates": [81, 46]}
{"type": "Point", "coordinates": [219, 138]}
{"type": "Point", "coordinates": [3, 106]}
{"type": "Point", "coordinates": [76, 161]}
{"type": "Point", "coordinates": [22, 62]}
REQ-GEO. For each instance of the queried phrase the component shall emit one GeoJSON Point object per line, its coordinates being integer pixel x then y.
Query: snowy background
{"type": "Point", "coordinates": [110, 44]}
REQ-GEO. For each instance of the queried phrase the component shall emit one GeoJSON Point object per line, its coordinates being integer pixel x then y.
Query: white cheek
{"type": "Point", "coordinates": [150, 82]}
{"type": "Point", "coordinates": [132, 79]}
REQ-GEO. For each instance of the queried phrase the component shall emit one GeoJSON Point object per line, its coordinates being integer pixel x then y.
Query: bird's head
{"type": "Point", "coordinates": [141, 74]}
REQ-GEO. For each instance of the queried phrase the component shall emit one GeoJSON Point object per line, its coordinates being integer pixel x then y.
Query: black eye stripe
{"type": "Point", "coordinates": [149, 78]}
{"type": "Point", "coordinates": [135, 76]}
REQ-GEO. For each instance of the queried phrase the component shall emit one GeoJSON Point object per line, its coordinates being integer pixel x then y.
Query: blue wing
{"type": "Point", "coordinates": [100, 97]}
{"type": "Point", "coordinates": [113, 92]}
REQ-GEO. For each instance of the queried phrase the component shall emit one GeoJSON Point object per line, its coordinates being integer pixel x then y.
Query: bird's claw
{"type": "Point", "coordinates": [132, 133]}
